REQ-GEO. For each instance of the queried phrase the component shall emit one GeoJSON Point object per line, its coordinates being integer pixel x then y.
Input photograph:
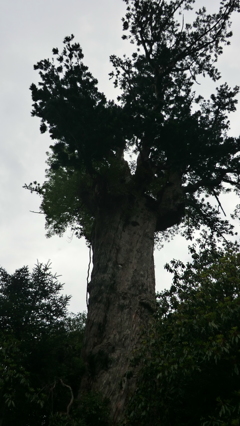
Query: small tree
{"type": "Point", "coordinates": [192, 354]}
{"type": "Point", "coordinates": [39, 347]}
{"type": "Point", "coordinates": [31, 303]}
{"type": "Point", "coordinates": [183, 155]}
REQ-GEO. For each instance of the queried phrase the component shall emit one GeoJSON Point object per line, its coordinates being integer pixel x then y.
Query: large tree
{"type": "Point", "coordinates": [181, 155]}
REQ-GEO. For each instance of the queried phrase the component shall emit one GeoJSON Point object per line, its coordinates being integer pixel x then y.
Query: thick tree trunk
{"type": "Point", "coordinates": [121, 298]}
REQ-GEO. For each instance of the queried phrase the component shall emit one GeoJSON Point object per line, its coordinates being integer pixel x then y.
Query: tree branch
{"type": "Point", "coordinates": [72, 397]}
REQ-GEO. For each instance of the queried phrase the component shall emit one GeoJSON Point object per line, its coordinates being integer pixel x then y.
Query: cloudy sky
{"type": "Point", "coordinates": [29, 29]}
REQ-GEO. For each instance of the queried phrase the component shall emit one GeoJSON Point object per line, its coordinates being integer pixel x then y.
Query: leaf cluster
{"type": "Point", "coordinates": [191, 356]}
{"type": "Point", "coordinates": [72, 109]}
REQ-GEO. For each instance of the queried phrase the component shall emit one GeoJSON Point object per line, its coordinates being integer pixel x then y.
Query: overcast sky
{"type": "Point", "coordinates": [29, 29]}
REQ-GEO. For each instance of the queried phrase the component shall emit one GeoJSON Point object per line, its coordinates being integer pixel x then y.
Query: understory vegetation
{"type": "Point", "coordinates": [190, 356]}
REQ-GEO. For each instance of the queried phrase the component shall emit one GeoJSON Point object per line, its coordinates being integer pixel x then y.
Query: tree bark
{"type": "Point", "coordinates": [121, 297]}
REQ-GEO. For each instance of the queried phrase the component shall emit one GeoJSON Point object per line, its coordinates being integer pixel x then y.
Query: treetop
{"type": "Point", "coordinates": [178, 138]}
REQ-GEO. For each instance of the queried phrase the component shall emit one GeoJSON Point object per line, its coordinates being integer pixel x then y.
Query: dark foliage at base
{"type": "Point", "coordinates": [90, 410]}
{"type": "Point", "coordinates": [192, 353]}
{"type": "Point", "coordinates": [40, 346]}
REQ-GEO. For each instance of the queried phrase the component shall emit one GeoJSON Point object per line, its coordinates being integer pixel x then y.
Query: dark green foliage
{"type": "Point", "coordinates": [76, 114]}
{"type": "Point", "coordinates": [175, 134]}
{"type": "Point", "coordinates": [40, 363]}
{"type": "Point", "coordinates": [91, 410]}
{"type": "Point", "coordinates": [70, 211]}
{"type": "Point", "coordinates": [30, 303]}
{"type": "Point", "coordinates": [192, 353]}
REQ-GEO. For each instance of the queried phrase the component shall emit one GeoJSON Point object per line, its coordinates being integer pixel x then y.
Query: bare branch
{"type": "Point", "coordinates": [72, 397]}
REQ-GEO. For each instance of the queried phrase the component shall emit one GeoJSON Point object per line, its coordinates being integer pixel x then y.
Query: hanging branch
{"type": "Point", "coordinates": [72, 397]}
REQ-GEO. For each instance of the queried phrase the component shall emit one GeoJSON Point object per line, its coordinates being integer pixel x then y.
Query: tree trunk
{"type": "Point", "coordinates": [121, 298]}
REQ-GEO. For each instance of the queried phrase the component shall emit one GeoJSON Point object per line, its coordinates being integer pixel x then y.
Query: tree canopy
{"type": "Point", "coordinates": [182, 153]}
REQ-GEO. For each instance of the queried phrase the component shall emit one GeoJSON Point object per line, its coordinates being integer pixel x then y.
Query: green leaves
{"type": "Point", "coordinates": [191, 355]}
{"type": "Point", "coordinates": [73, 110]}
{"type": "Point", "coordinates": [158, 117]}
{"type": "Point", "coordinates": [27, 298]}
{"type": "Point", "coordinates": [39, 345]}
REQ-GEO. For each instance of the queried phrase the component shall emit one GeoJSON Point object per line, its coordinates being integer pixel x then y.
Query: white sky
{"type": "Point", "coordinates": [29, 29]}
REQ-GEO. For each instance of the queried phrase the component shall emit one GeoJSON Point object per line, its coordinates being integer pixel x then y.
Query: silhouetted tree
{"type": "Point", "coordinates": [40, 347]}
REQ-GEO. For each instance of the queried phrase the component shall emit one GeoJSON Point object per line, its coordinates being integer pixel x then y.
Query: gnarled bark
{"type": "Point", "coordinates": [121, 297]}
{"type": "Point", "coordinates": [122, 287]}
